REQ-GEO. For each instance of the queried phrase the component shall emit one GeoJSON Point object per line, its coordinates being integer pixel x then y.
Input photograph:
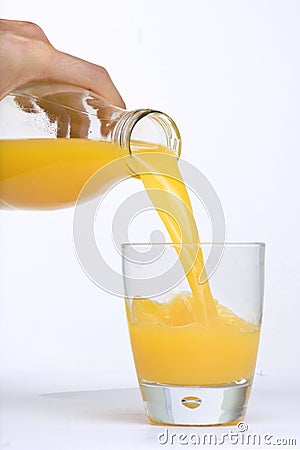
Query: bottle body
{"type": "Point", "coordinates": [55, 137]}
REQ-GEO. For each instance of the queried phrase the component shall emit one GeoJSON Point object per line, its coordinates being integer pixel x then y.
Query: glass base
{"type": "Point", "coordinates": [195, 405]}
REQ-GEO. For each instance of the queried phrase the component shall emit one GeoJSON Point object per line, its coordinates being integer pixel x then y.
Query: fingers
{"type": "Point", "coordinates": [27, 30]}
{"type": "Point", "coordinates": [19, 60]}
{"type": "Point", "coordinates": [27, 55]}
{"type": "Point", "coordinates": [69, 69]}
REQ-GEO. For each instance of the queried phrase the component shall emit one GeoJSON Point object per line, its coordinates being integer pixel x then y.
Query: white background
{"type": "Point", "coordinates": [228, 73]}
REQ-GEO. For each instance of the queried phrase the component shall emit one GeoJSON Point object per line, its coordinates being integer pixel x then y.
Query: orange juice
{"type": "Point", "coordinates": [215, 346]}
{"type": "Point", "coordinates": [192, 339]}
{"type": "Point", "coordinates": [50, 173]}
{"type": "Point", "coordinates": [160, 175]}
{"type": "Point", "coordinates": [171, 347]}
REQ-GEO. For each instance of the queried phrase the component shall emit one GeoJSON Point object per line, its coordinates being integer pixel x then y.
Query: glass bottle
{"type": "Point", "coordinates": [55, 136]}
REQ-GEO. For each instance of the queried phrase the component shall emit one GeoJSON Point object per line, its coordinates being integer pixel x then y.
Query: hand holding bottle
{"type": "Point", "coordinates": [27, 55]}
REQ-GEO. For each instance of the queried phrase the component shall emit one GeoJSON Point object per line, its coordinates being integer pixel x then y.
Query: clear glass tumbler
{"type": "Point", "coordinates": [192, 372]}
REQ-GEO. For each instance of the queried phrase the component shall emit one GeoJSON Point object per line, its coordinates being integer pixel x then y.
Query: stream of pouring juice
{"type": "Point", "coordinates": [49, 174]}
{"type": "Point", "coordinates": [192, 339]}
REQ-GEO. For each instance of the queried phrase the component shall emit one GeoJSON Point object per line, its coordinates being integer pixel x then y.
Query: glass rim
{"type": "Point", "coordinates": [199, 244]}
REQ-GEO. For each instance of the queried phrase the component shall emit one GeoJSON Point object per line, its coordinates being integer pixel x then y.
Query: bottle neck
{"type": "Point", "coordinates": [149, 126]}
{"type": "Point", "coordinates": [70, 111]}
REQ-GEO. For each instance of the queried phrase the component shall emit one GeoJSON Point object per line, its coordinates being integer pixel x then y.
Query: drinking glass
{"type": "Point", "coordinates": [191, 371]}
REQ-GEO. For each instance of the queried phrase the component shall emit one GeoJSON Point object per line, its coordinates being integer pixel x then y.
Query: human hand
{"type": "Point", "coordinates": [27, 55]}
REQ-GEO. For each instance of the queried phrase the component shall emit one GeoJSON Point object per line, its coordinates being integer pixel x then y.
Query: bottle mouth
{"type": "Point", "coordinates": [159, 128]}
